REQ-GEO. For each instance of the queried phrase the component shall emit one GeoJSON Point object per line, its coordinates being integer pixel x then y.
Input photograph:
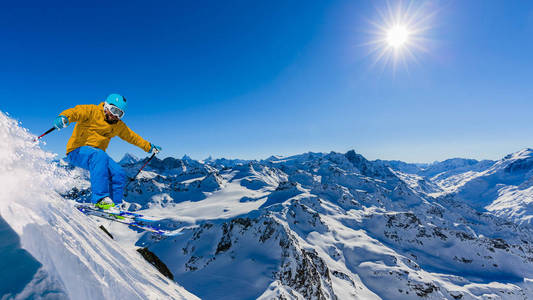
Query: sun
{"type": "Point", "coordinates": [398, 33]}
{"type": "Point", "coordinates": [397, 36]}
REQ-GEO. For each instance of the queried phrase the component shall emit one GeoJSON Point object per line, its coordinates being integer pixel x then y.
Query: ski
{"type": "Point", "coordinates": [128, 218]}
{"type": "Point", "coordinates": [121, 214]}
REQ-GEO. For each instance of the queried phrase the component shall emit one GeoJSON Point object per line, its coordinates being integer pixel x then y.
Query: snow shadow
{"type": "Point", "coordinates": [18, 267]}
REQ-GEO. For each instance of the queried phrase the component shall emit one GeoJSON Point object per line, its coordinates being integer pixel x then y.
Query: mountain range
{"type": "Point", "coordinates": [310, 226]}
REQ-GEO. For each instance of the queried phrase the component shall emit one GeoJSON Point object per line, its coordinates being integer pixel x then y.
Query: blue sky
{"type": "Point", "coordinates": [250, 79]}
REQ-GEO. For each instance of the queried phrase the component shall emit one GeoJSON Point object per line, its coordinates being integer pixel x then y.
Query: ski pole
{"type": "Point", "coordinates": [47, 132]}
{"type": "Point", "coordinates": [133, 178]}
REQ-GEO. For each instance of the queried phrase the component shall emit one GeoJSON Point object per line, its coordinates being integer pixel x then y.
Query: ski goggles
{"type": "Point", "coordinates": [115, 111]}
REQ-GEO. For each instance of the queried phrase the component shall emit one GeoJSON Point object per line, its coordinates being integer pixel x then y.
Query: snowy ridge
{"type": "Point", "coordinates": [52, 251]}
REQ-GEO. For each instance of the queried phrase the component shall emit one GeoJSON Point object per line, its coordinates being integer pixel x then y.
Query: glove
{"type": "Point", "coordinates": [154, 148]}
{"type": "Point", "coordinates": [61, 122]}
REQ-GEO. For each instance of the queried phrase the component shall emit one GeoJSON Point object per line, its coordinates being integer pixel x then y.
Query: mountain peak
{"type": "Point", "coordinates": [522, 154]}
{"type": "Point", "coordinates": [275, 158]}
{"type": "Point", "coordinates": [187, 158]}
{"type": "Point", "coordinates": [128, 159]}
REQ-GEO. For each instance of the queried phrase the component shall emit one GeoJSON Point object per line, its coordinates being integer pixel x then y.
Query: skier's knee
{"type": "Point", "coordinates": [120, 174]}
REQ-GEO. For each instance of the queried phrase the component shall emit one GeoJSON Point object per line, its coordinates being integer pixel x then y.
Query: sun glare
{"type": "Point", "coordinates": [398, 33]}
{"type": "Point", "coordinates": [397, 36]}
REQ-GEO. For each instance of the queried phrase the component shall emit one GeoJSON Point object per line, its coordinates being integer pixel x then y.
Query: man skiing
{"type": "Point", "coordinates": [96, 125]}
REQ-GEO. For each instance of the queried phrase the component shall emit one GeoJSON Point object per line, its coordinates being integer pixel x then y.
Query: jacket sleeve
{"type": "Point", "coordinates": [77, 113]}
{"type": "Point", "coordinates": [133, 138]}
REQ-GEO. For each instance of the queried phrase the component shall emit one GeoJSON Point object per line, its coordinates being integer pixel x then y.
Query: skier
{"type": "Point", "coordinates": [96, 125]}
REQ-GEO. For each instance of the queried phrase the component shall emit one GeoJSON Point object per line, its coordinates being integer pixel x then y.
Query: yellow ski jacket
{"type": "Point", "coordinates": [92, 129]}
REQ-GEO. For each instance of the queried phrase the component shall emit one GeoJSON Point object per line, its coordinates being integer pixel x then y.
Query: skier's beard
{"type": "Point", "coordinates": [110, 121]}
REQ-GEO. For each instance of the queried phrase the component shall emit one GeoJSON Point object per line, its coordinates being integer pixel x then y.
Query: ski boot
{"type": "Point", "coordinates": [105, 203]}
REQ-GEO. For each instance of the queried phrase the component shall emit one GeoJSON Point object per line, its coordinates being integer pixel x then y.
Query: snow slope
{"type": "Point", "coordinates": [49, 249]}
{"type": "Point", "coordinates": [505, 189]}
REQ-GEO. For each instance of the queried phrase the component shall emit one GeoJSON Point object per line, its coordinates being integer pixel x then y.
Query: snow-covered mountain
{"type": "Point", "coordinates": [439, 172]}
{"type": "Point", "coordinates": [323, 226]}
{"type": "Point", "coordinates": [310, 226]}
{"type": "Point", "coordinates": [503, 187]}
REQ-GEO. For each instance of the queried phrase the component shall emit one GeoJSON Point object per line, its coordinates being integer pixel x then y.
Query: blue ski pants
{"type": "Point", "coordinates": [107, 177]}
